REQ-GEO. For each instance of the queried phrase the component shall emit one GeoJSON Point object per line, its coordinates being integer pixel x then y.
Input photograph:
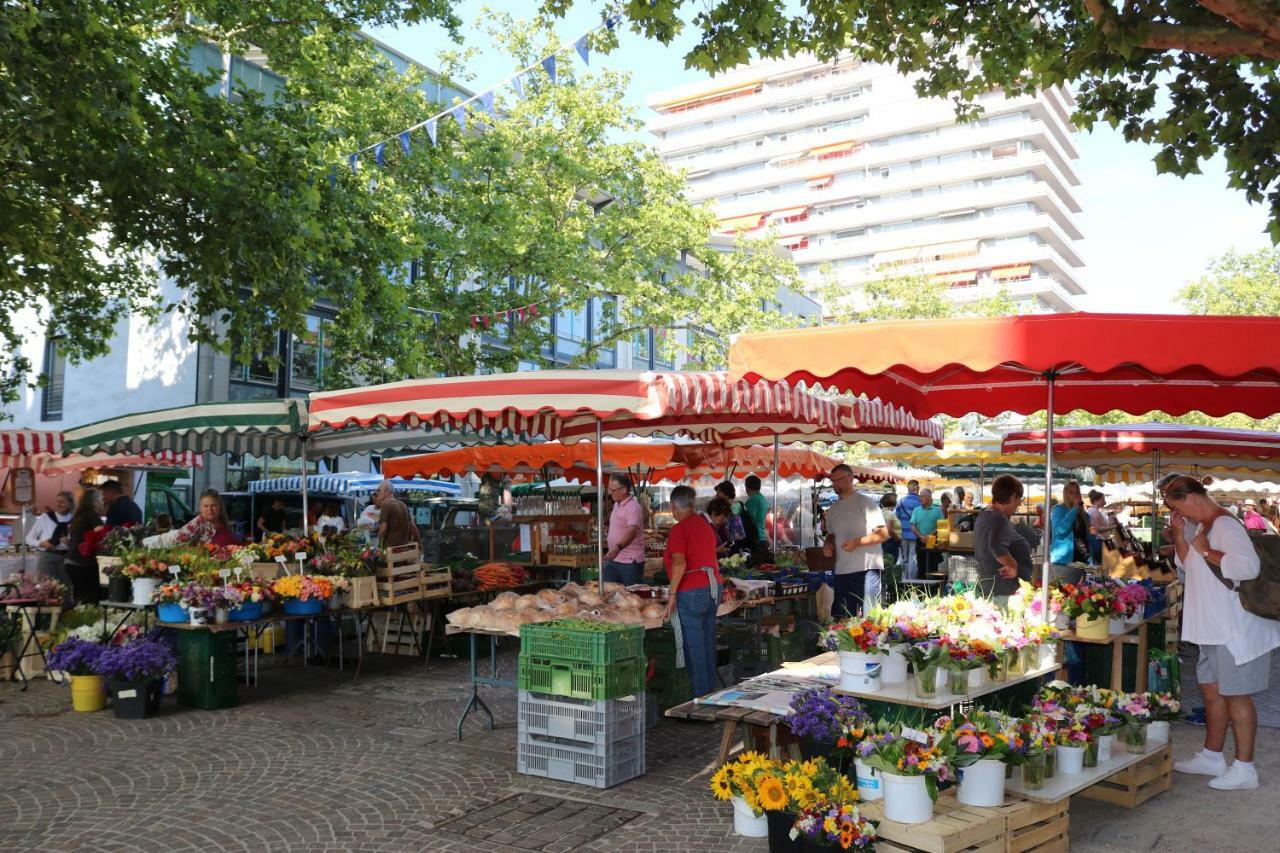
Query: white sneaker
{"type": "Point", "coordinates": [1236, 779]}
{"type": "Point", "coordinates": [1202, 765]}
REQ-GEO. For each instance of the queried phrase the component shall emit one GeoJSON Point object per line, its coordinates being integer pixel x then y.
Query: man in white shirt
{"type": "Point", "coordinates": [49, 536]}
{"type": "Point", "coordinates": [1235, 645]}
{"type": "Point", "coordinates": [855, 530]}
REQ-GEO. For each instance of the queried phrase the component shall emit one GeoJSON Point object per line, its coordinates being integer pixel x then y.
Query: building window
{"type": "Point", "coordinates": [55, 376]}
{"type": "Point", "coordinates": [1001, 151]}
{"type": "Point", "coordinates": [311, 354]}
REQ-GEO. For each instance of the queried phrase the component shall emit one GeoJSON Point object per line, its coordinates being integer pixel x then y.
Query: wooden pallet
{"type": "Point", "coordinates": [400, 580]}
{"type": "Point", "coordinates": [436, 583]}
{"type": "Point", "coordinates": [955, 828]}
{"type": "Point", "coordinates": [1136, 784]}
{"type": "Point", "coordinates": [1036, 827]}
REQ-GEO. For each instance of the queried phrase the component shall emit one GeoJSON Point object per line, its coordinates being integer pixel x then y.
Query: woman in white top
{"type": "Point", "coordinates": [332, 517]}
{"type": "Point", "coordinates": [1235, 646]}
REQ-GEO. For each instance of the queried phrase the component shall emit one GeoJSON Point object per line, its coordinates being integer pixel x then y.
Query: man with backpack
{"type": "Point", "coordinates": [1226, 579]}
{"type": "Point", "coordinates": [904, 509]}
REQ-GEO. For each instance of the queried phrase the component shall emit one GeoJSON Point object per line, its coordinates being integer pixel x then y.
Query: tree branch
{"type": "Point", "coordinates": [1248, 15]}
{"type": "Point", "coordinates": [1247, 30]}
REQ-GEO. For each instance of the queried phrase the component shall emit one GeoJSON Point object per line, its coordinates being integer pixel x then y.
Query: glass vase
{"type": "Point", "coordinates": [927, 681]}
{"type": "Point", "coordinates": [1014, 663]}
{"type": "Point", "coordinates": [1091, 753]}
{"type": "Point", "coordinates": [1034, 771]}
{"type": "Point", "coordinates": [1050, 761]}
{"type": "Point", "coordinates": [1030, 658]}
{"type": "Point", "coordinates": [958, 681]}
{"type": "Point", "coordinates": [1135, 738]}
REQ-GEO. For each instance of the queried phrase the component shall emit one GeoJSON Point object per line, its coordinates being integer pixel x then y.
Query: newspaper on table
{"type": "Point", "coordinates": [773, 691]}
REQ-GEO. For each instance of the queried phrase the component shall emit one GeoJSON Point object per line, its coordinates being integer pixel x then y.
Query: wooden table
{"type": "Point", "coordinates": [1132, 634]}
{"type": "Point", "coordinates": [753, 721]}
{"type": "Point", "coordinates": [1064, 785]}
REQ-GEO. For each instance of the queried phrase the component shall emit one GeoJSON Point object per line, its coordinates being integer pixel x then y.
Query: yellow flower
{"type": "Point", "coordinates": [829, 826]}
{"type": "Point", "coordinates": [772, 795]}
{"type": "Point", "coordinates": [720, 783]}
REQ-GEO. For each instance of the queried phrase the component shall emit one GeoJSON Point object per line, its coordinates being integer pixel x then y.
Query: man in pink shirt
{"type": "Point", "coordinates": [624, 561]}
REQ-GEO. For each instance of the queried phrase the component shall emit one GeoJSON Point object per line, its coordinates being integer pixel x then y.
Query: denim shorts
{"type": "Point", "coordinates": [1216, 665]}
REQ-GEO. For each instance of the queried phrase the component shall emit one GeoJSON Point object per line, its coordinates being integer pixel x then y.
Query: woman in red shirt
{"type": "Point", "coordinates": [695, 585]}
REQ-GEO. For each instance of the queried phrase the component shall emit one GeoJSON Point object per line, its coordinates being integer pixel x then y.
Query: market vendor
{"type": "Point", "coordinates": [691, 564]}
{"type": "Point", "coordinates": [49, 536]}
{"type": "Point", "coordinates": [210, 527]}
{"type": "Point", "coordinates": [717, 513]}
{"type": "Point", "coordinates": [1003, 555]}
{"type": "Point", "coordinates": [624, 561]}
{"type": "Point", "coordinates": [856, 531]}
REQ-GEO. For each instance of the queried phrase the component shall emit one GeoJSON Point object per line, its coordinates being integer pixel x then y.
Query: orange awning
{"type": "Point", "coordinates": [789, 212]}
{"type": "Point", "coordinates": [739, 223]}
{"type": "Point", "coordinates": [959, 248]}
{"type": "Point", "coordinates": [820, 179]}
{"type": "Point", "coordinates": [732, 89]}
{"type": "Point", "coordinates": [1003, 273]}
{"type": "Point", "coordinates": [897, 256]}
{"type": "Point", "coordinates": [833, 148]}
{"type": "Point", "coordinates": [965, 277]}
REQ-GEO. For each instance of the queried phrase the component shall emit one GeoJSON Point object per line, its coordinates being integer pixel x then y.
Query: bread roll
{"type": "Point", "coordinates": [527, 602]}
{"type": "Point", "coordinates": [652, 611]}
{"type": "Point", "coordinates": [504, 601]}
{"type": "Point", "coordinates": [549, 596]}
{"type": "Point", "coordinates": [589, 599]}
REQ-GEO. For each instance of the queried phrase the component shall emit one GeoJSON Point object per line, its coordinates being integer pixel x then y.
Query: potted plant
{"type": "Point", "coordinates": [1164, 710]}
{"type": "Point", "coordinates": [78, 658]}
{"type": "Point", "coordinates": [303, 595]}
{"type": "Point", "coordinates": [911, 763]}
{"type": "Point", "coordinates": [134, 672]}
{"type": "Point", "coordinates": [819, 718]}
{"type": "Point", "coordinates": [1093, 604]}
{"type": "Point", "coordinates": [983, 744]}
{"type": "Point", "coordinates": [170, 606]}
{"type": "Point", "coordinates": [857, 643]}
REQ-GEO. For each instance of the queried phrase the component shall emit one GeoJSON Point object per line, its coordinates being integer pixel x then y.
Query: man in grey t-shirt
{"type": "Point", "coordinates": [855, 529]}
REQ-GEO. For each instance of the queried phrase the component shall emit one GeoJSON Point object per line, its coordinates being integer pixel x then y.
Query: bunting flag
{"type": "Point", "coordinates": [522, 314]}
{"type": "Point", "coordinates": [485, 100]}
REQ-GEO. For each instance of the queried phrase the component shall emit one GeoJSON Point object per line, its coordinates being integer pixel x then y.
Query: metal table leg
{"type": "Point", "coordinates": [478, 680]}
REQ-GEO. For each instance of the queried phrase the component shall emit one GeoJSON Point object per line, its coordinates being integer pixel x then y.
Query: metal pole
{"type": "Point", "coordinates": [982, 481]}
{"type": "Point", "coordinates": [776, 456]}
{"type": "Point", "coordinates": [305, 512]}
{"type": "Point", "coordinates": [1155, 505]}
{"type": "Point", "coordinates": [600, 502]}
{"type": "Point", "coordinates": [1048, 491]}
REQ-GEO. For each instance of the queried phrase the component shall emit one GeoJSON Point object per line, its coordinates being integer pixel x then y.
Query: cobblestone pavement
{"type": "Point", "coordinates": [310, 761]}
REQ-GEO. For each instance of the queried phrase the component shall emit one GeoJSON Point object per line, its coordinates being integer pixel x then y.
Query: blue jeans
{"type": "Point", "coordinates": [910, 568]}
{"type": "Point", "coordinates": [848, 589]}
{"type": "Point", "coordinates": [698, 627]}
{"type": "Point", "coordinates": [627, 574]}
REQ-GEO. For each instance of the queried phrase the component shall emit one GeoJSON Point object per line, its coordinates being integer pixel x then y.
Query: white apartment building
{"type": "Point", "coordinates": [859, 175]}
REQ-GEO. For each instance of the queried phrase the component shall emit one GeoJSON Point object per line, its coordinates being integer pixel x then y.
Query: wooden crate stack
{"type": "Point", "coordinates": [1019, 826]}
{"type": "Point", "coordinates": [436, 582]}
{"type": "Point", "coordinates": [400, 580]}
{"type": "Point", "coordinates": [1137, 783]}
{"type": "Point", "coordinates": [1173, 617]}
{"type": "Point", "coordinates": [1036, 827]}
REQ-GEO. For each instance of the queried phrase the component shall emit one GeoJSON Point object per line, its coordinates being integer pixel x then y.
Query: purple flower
{"type": "Point", "coordinates": [821, 714]}
{"type": "Point", "coordinates": [137, 661]}
{"type": "Point", "coordinates": [75, 656]}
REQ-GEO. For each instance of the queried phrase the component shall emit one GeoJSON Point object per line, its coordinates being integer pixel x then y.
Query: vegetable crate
{"type": "Point", "coordinates": [436, 583]}
{"type": "Point", "coordinates": [1136, 784]}
{"type": "Point", "coordinates": [609, 644]}
{"type": "Point", "coordinates": [582, 680]}
{"type": "Point", "coordinates": [400, 580]}
{"type": "Point", "coordinates": [955, 828]}
{"type": "Point", "coordinates": [585, 721]}
{"type": "Point", "coordinates": [570, 761]}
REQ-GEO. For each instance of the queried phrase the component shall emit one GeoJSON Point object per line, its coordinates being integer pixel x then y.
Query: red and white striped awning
{"type": "Point", "coordinates": [565, 405]}
{"type": "Point", "coordinates": [1137, 439]}
{"type": "Point", "coordinates": [76, 463]}
{"type": "Point", "coordinates": [28, 448]}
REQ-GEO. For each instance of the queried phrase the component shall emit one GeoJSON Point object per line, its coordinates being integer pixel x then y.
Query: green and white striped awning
{"type": "Point", "coordinates": [257, 427]}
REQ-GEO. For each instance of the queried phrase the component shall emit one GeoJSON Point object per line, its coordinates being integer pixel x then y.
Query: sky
{"type": "Point", "coordinates": [1146, 235]}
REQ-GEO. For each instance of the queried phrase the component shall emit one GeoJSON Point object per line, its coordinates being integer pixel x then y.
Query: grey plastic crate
{"type": "Point", "coordinates": [593, 721]}
{"type": "Point", "coordinates": [570, 761]}
{"type": "Point", "coordinates": [962, 569]}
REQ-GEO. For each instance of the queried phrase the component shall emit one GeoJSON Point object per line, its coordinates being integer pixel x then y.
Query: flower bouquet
{"type": "Point", "coordinates": [736, 781]}
{"type": "Point", "coordinates": [1133, 598]}
{"type": "Point", "coordinates": [924, 657]}
{"type": "Point", "coordinates": [1102, 726]}
{"type": "Point", "coordinates": [91, 544]}
{"type": "Point", "coordinates": [983, 742]}
{"type": "Point", "coordinates": [1135, 712]}
{"type": "Point", "coordinates": [1093, 604]}
{"type": "Point", "coordinates": [1164, 710]}
{"type": "Point", "coordinates": [1039, 732]}
{"type": "Point", "coordinates": [140, 565]}
{"type": "Point", "coordinates": [823, 720]}
{"type": "Point", "coordinates": [78, 658]}
{"type": "Point", "coordinates": [911, 763]}
{"type": "Point", "coordinates": [835, 824]}
{"type": "Point", "coordinates": [303, 595]}
{"type": "Point", "coordinates": [45, 591]}
{"type": "Point", "coordinates": [959, 655]}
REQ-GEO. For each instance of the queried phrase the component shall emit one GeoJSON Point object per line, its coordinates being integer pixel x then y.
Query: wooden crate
{"type": "Point", "coordinates": [265, 571]}
{"type": "Point", "coordinates": [1136, 784]}
{"type": "Point", "coordinates": [363, 592]}
{"type": "Point", "coordinates": [574, 561]}
{"type": "Point", "coordinates": [955, 828]}
{"type": "Point", "coordinates": [400, 580]}
{"type": "Point", "coordinates": [396, 633]}
{"type": "Point", "coordinates": [1036, 827]}
{"type": "Point", "coordinates": [436, 583]}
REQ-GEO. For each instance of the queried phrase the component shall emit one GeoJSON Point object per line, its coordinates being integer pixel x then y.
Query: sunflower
{"type": "Point", "coordinates": [772, 796]}
{"type": "Point", "coordinates": [720, 784]}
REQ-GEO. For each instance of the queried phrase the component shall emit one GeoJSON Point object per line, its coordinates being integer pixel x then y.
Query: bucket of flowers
{"type": "Point", "coordinates": [254, 594]}
{"type": "Point", "coordinates": [985, 743]}
{"type": "Point", "coordinates": [858, 644]}
{"type": "Point", "coordinates": [1135, 710]}
{"type": "Point", "coordinates": [1133, 598]}
{"type": "Point", "coordinates": [141, 574]}
{"type": "Point", "coordinates": [78, 658]}
{"type": "Point", "coordinates": [820, 718]}
{"type": "Point", "coordinates": [1093, 604]}
{"type": "Point", "coordinates": [911, 763]}
{"type": "Point", "coordinates": [303, 595]}
{"type": "Point", "coordinates": [170, 605]}
{"type": "Point", "coordinates": [134, 672]}
{"type": "Point", "coordinates": [736, 781]}
{"type": "Point", "coordinates": [833, 823]}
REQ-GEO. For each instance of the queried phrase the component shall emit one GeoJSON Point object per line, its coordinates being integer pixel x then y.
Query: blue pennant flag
{"type": "Point", "coordinates": [517, 83]}
{"type": "Point", "coordinates": [355, 163]}
{"type": "Point", "coordinates": [404, 142]}
{"type": "Point", "coordinates": [486, 102]}
{"type": "Point", "coordinates": [380, 153]}
{"type": "Point", "coordinates": [460, 116]}
{"type": "Point", "coordinates": [612, 20]}
{"type": "Point", "coordinates": [549, 66]}
{"type": "Point", "coordinates": [431, 130]}
{"type": "Point", "coordinates": [583, 50]}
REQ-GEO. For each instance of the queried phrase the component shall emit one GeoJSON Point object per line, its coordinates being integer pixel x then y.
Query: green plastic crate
{"type": "Point", "coordinates": [552, 640]}
{"type": "Point", "coordinates": [582, 680]}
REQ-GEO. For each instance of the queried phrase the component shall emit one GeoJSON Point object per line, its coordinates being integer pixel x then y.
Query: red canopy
{"type": "Point", "coordinates": [1183, 441]}
{"type": "Point", "coordinates": [1099, 362]}
{"type": "Point", "coordinates": [28, 448]}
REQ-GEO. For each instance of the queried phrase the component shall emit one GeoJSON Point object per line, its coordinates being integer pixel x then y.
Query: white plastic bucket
{"type": "Point", "coordinates": [869, 787]}
{"type": "Point", "coordinates": [1105, 744]}
{"type": "Point", "coordinates": [143, 588]}
{"type": "Point", "coordinates": [1070, 759]}
{"type": "Point", "coordinates": [1048, 654]}
{"type": "Point", "coordinates": [860, 672]}
{"type": "Point", "coordinates": [1134, 618]}
{"type": "Point", "coordinates": [982, 784]}
{"type": "Point", "coordinates": [1116, 626]}
{"type": "Point", "coordinates": [894, 668]}
{"type": "Point", "coordinates": [906, 799]}
{"type": "Point", "coordinates": [747, 824]}
{"type": "Point", "coordinates": [977, 678]}
{"type": "Point", "coordinates": [1061, 621]}
{"type": "Point", "coordinates": [1158, 732]}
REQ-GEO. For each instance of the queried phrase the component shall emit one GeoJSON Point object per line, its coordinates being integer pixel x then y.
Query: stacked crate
{"type": "Point", "coordinates": [582, 703]}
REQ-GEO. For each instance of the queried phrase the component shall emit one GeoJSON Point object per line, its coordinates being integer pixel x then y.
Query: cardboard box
{"type": "Point", "coordinates": [961, 539]}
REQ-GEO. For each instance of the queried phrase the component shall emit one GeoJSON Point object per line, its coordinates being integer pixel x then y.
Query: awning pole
{"type": "Point", "coordinates": [600, 502]}
{"type": "Point", "coordinates": [1048, 492]}
{"type": "Point", "coordinates": [982, 480]}
{"type": "Point", "coordinates": [305, 512]}
{"type": "Point", "coordinates": [1155, 504]}
{"type": "Point", "coordinates": [776, 445]}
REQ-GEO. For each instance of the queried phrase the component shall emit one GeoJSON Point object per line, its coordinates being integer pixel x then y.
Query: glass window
{"type": "Point", "coordinates": [55, 377]}
{"type": "Point", "coordinates": [310, 353]}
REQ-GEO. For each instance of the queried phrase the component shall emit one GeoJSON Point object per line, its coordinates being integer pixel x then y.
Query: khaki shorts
{"type": "Point", "coordinates": [1216, 665]}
